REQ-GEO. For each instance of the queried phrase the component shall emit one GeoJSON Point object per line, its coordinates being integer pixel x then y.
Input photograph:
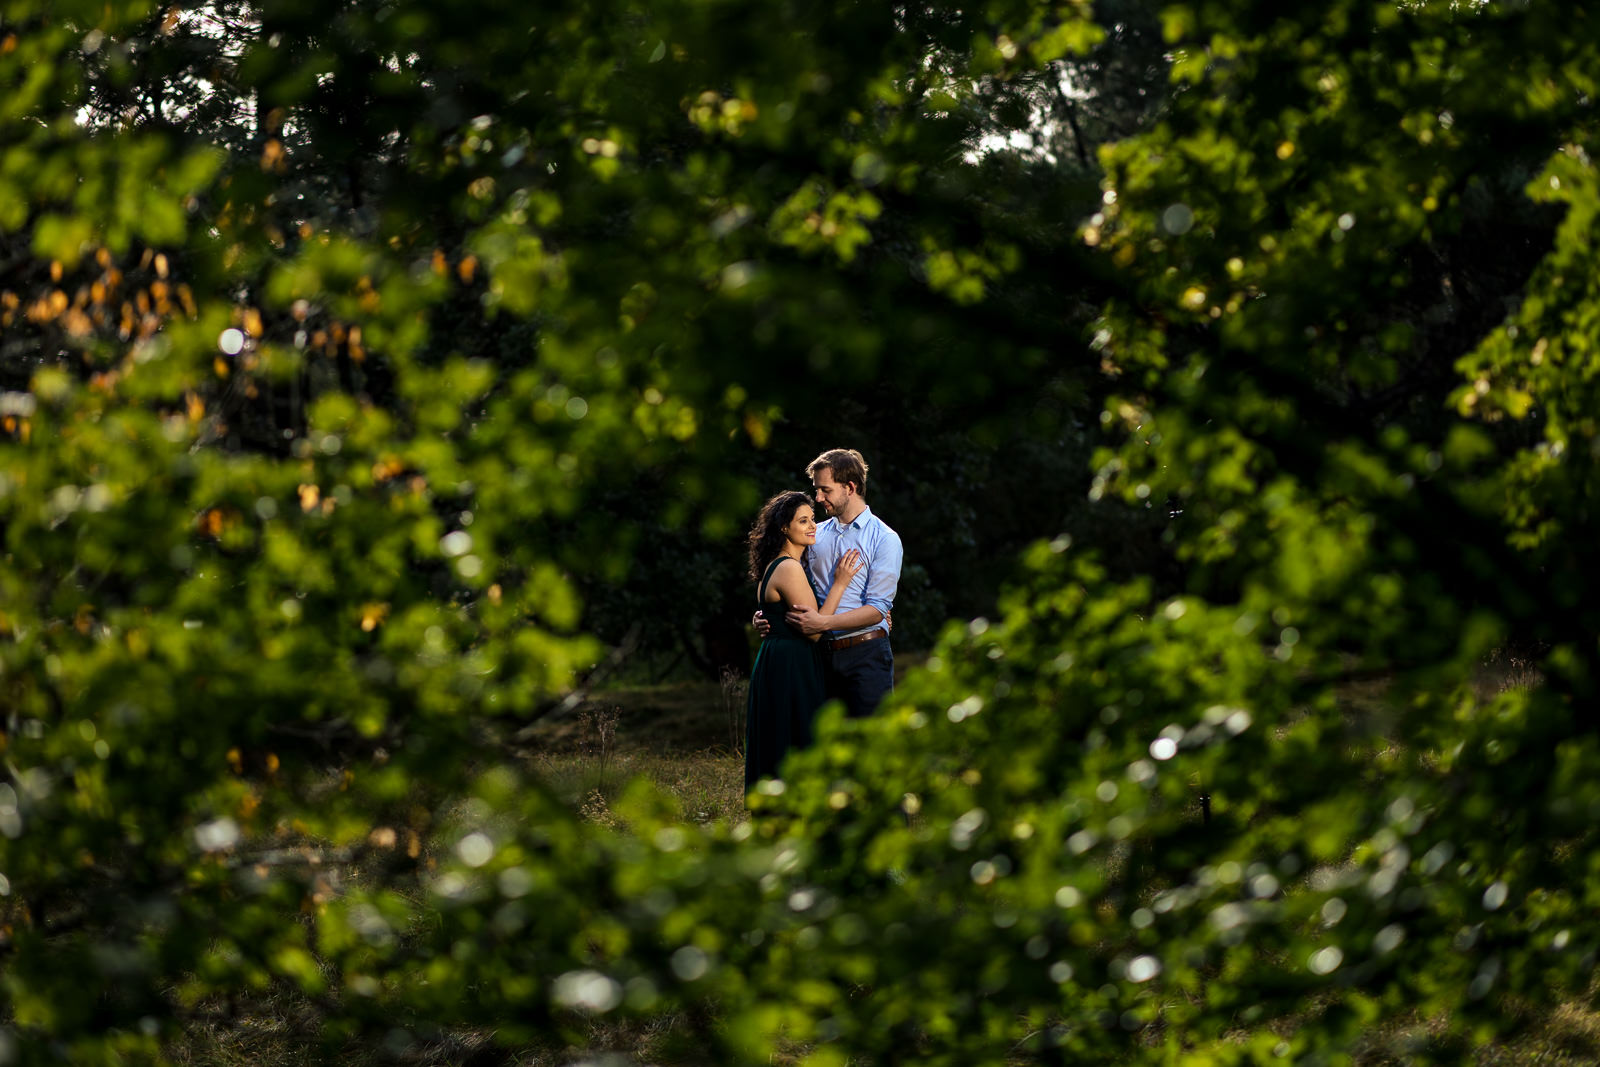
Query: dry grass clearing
{"type": "Point", "coordinates": [685, 737]}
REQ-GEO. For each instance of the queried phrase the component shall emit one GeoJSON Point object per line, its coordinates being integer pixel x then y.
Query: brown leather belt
{"type": "Point", "coordinates": [836, 643]}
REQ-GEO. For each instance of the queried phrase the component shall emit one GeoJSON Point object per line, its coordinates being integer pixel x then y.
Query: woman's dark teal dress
{"type": "Point", "coordinates": [785, 692]}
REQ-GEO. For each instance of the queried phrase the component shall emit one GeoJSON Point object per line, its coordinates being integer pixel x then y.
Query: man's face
{"type": "Point", "coordinates": [830, 494]}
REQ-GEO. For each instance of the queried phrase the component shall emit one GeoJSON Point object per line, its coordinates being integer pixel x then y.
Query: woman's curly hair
{"type": "Point", "coordinates": [766, 535]}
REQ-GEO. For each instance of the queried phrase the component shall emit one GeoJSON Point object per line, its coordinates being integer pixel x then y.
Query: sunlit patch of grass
{"type": "Point", "coordinates": [282, 1028]}
{"type": "Point", "coordinates": [706, 785]}
{"type": "Point", "coordinates": [1567, 1035]}
{"type": "Point", "coordinates": [677, 736]}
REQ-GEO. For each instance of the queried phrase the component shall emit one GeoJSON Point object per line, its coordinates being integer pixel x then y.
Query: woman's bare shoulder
{"type": "Point", "coordinates": [787, 571]}
{"type": "Point", "coordinates": [784, 577]}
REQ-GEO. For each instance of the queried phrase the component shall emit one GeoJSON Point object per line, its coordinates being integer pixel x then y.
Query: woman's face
{"type": "Point", "coordinates": [802, 529]}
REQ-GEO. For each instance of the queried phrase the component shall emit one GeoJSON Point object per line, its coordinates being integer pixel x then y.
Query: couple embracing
{"type": "Point", "coordinates": [810, 653]}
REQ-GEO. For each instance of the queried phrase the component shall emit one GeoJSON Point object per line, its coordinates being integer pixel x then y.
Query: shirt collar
{"type": "Point", "coordinates": [860, 520]}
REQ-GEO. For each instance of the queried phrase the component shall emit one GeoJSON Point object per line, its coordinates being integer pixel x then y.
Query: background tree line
{"type": "Point", "coordinates": [204, 78]}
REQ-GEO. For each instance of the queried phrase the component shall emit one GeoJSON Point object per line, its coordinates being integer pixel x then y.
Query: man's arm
{"type": "Point", "coordinates": [883, 579]}
{"type": "Point", "coordinates": [810, 621]}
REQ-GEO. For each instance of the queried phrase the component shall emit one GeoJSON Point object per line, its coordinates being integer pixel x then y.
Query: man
{"type": "Point", "coordinates": [858, 664]}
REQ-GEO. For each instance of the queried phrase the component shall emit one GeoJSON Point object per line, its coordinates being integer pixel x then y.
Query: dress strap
{"type": "Point", "coordinates": [761, 589]}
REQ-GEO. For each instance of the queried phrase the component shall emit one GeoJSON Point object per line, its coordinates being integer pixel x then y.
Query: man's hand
{"type": "Point", "coordinates": [807, 620]}
{"type": "Point", "coordinates": [759, 621]}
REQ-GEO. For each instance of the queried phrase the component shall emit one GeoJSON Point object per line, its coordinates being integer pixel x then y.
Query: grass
{"type": "Point", "coordinates": [677, 736]}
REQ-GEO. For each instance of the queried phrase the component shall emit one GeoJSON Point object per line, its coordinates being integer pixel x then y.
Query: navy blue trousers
{"type": "Point", "coordinates": [860, 676]}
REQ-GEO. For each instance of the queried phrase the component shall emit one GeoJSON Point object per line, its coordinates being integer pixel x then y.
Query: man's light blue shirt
{"type": "Point", "coordinates": [875, 583]}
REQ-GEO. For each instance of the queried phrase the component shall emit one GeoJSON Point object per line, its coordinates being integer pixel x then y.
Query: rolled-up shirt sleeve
{"type": "Point", "coordinates": [883, 572]}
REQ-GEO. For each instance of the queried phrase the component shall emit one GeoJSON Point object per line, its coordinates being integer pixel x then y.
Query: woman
{"type": "Point", "coordinates": [786, 684]}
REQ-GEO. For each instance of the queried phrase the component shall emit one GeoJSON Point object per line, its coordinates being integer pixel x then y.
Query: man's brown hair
{"type": "Point", "coordinates": [846, 465]}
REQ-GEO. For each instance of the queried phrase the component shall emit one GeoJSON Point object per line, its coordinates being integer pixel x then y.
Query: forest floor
{"type": "Point", "coordinates": [686, 737]}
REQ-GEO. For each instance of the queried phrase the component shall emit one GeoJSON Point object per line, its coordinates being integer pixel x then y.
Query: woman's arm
{"type": "Point", "coordinates": [821, 620]}
{"type": "Point", "coordinates": [793, 587]}
{"type": "Point", "coordinates": [811, 622]}
{"type": "Point", "coordinates": [848, 567]}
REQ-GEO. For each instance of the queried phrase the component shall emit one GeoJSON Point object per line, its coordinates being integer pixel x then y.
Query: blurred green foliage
{"type": "Point", "coordinates": [368, 370]}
